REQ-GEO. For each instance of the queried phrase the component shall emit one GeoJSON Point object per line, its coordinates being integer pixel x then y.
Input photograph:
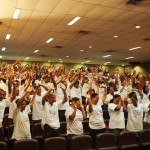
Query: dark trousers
{"type": "Point", "coordinates": [36, 121]}
{"type": "Point", "coordinates": [1, 134]}
{"type": "Point", "coordinates": [50, 132]}
{"type": "Point", "coordinates": [93, 133]}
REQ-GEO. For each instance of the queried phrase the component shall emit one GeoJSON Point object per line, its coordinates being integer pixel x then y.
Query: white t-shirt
{"type": "Point", "coordinates": [85, 89]}
{"type": "Point", "coordinates": [110, 97]}
{"type": "Point", "coordinates": [12, 107]}
{"type": "Point", "coordinates": [74, 126]}
{"type": "Point", "coordinates": [147, 112]}
{"type": "Point", "coordinates": [60, 96]}
{"type": "Point", "coordinates": [76, 92]}
{"type": "Point", "coordinates": [37, 108]}
{"type": "Point", "coordinates": [117, 120]}
{"type": "Point", "coordinates": [145, 98]}
{"type": "Point", "coordinates": [50, 115]}
{"type": "Point", "coordinates": [96, 120]}
{"type": "Point", "coordinates": [135, 117]}
{"type": "Point", "coordinates": [21, 124]}
{"type": "Point", "coordinates": [3, 104]}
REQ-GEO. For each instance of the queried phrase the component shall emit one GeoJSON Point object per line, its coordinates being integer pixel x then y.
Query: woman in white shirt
{"type": "Point", "coordinates": [96, 120]}
{"type": "Point", "coordinates": [135, 114]}
{"type": "Point", "coordinates": [74, 117]}
{"type": "Point", "coordinates": [116, 112]}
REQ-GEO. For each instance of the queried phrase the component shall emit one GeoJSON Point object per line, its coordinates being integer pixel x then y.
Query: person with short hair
{"type": "Point", "coordinates": [116, 112]}
{"type": "Point", "coordinates": [75, 114]}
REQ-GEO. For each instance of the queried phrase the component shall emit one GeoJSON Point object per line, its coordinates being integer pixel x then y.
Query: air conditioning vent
{"type": "Point", "coordinates": [43, 56]}
{"type": "Point", "coordinates": [83, 32]}
{"type": "Point", "coordinates": [58, 46]}
{"type": "Point", "coordinates": [135, 63]}
{"type": "Point", "coordinates": [147, 39]}
{"type": "Point", "coordinates": [110, 51]}
{"type": "Point", "coordinates": [134, 2]}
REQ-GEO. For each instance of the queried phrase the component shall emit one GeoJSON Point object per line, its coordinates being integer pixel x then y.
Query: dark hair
{"type": "Point", "coordinates": [114, 97]}
{"type": "Point", "coordinates": [144, 89]}
{"type": "Point", "coordinates": [74, 99]}
{"type": "Point", "coordinates": [77, 82]}
{"type": "Point", "coordinates": [93, 95]}
{"type": "Point", "coordinates": [133, 95]}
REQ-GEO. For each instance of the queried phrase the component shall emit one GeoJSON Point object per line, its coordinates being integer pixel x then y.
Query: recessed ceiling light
{"type": "Point", "coordinates": [134, 48]}
{"type": "Point", "coordinates": [123, 65]}
{"type": "Point", "coordinates": [90, 46]}
{"type": "Point", "coordinates": [36, 51]}
{"type": "Point", "coordinates": [16, 13]}
{"type": "Point", "coordinates": [49, 61]}
{"type": "Point", "coordinates": [107, 62]}
{"type": "Point", "coordinates": [67, 56]}
{"type": "Point", "coordinates": [106, 56]}
{"type": "Point", "coordinates": [3, 48]}
{"type": "Point", "coordinates": [74, 21]}
{"type": "Point", "coordinates": [27, 57]}
{"type": "Point", "coordinates": [137, 27]}
{"type": "Point", "coordinates": [60, 59]}
{"type": "Point", "coordinates": [8, 36]}
{"type": "Point", "coordinates": [129, 57]}
{"type": "Point", "coordinates": [1, 56]}
{"type": "Point", "coordinates": [87, 61]}
{"type": "Point", "coordinates": [82, 62]}
{"type": "Point", "coordinates": [49, 40]}
{"type": "Point", "coordinates": [115, 36]}
{"type": "Point", "coordinates": [81, 50]}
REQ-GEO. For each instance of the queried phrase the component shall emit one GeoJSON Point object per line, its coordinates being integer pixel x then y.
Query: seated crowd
{"type": "Point", "coordinates": [83, 94]}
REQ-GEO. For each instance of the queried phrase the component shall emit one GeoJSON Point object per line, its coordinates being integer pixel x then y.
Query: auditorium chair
{"type": "Point", "coordinates": [106, 141]}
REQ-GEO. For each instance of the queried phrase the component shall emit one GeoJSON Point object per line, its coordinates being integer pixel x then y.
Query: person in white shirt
{"type": "Point", "coordinates": [135, 114]}
{"type": "Point", "coordinates": [96, 120]}
{"type": "Point", "coordinates": [75, 114]}
{"type": "Point", "coordinates": [37, 106]}
{"type": "Point", "coordinates": [146, 123]}
{"type": "Point", "coordinates": [50, 118]}
{"type": "Point", "coordinates": [116, 112]}
{"type": "Point", "coordinates": [21, 118]}
{"type": "Point", "coordinates": [110, 95]}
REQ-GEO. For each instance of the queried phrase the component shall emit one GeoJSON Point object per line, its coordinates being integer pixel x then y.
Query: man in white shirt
{"type": "Point", "coordinates": [50, 118]}
{"type": "Point", "coordinates": [21, 118]}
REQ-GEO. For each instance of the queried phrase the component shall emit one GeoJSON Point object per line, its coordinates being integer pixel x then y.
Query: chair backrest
{"type": "Point", "coordinates": [37, 131]}
{"type": "Point", "coordinates": [55, 143]}
{"type": "Point", "coordinates": [29, 144]}
{"type": "Point", "coordinates": [144, 136]}
{"type": "Point", "coordinates": [81, 142]}
{"type": "Point", "coordinates": [126, 138]}
{"type": "Point", "coordinates": [3, 145]}
{"type": "Point", "coordinates": [105, 140]}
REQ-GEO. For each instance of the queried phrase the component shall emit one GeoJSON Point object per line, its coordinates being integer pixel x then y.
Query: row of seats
{"type": "Point", "coordinates": [104, 141]}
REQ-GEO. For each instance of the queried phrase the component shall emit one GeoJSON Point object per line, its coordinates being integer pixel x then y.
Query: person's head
{"type": "Point", "coordinates": [39, 77]}
{"type": "Point", "coordinates": [145, 89]}
{"type": "Point", "coordinates": [86, 80]}
{"type": "Point", "coordinates": [116, 98]}
{"type": "Point", "coordinates": [133, 98]}
{"type": "Point", "coordinates": [37, 90]}
{"type": "Point", "coordinates": [2, 94]}
{"type": "Point", "coordinates": [111, 90]}
{"type": "Point", "coordinates": [23, 106]}
{"type": "Point", "coordinates": [123, 82]}
{"type": "Point", "coordinates": [17, 83]}
{"type": "Point", "coordinates": [51, 98]}
{"type": "Point", "coordinates": [76, 84]}
{"type": "Point", "coordinates": [94, 98]}
{"type": "Point", "coordinates": [76, 101]}
{"type": "Point", "coordinates": [64, 82]}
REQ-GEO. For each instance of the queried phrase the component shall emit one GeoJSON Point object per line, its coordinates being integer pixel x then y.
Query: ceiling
{"type": "Point", "coordinates": [40, 20]}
